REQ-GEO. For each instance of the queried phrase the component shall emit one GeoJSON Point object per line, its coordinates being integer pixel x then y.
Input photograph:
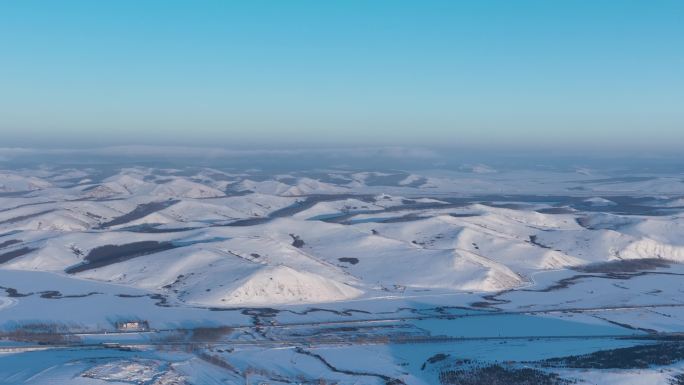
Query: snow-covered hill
{"type": "Point", "coordinates": [205, 237]}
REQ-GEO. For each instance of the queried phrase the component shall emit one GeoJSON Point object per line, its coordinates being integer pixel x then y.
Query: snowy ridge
{"type": "Point", "coordinates": [228, 239]}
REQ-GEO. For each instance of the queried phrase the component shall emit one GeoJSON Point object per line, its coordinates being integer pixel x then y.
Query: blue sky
{"type": "Point", "coordinates": [602, 74]}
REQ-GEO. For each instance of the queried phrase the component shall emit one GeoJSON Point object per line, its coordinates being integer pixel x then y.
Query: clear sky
{"type": "Point", "coordinates": [450, 73]}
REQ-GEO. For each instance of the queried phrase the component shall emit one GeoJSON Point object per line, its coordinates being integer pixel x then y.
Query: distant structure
{"type": "Point", "coordinates": [132, 326]}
